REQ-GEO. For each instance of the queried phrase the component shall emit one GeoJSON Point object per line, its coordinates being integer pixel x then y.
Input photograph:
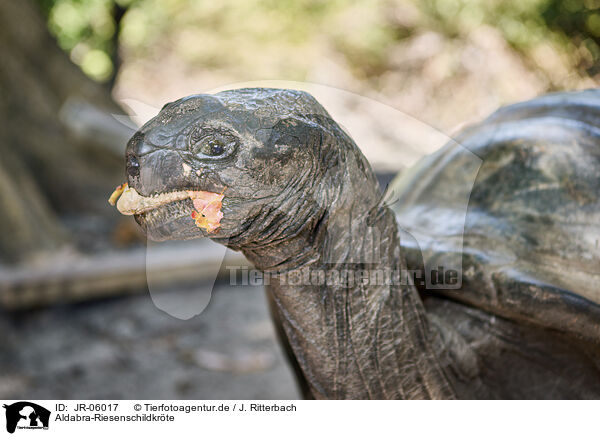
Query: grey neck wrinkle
{"type": "Point", "coordinates": [351, 339]}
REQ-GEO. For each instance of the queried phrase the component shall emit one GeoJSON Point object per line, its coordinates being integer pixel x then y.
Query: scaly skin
{"type": "Point", "coordinates": [300, 198]}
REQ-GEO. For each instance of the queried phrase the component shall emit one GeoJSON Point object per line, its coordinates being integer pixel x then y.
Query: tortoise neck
{"type": "Point", "coordinates": [356, 325]}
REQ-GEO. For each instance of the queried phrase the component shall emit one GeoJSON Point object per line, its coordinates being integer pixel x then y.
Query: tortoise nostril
{"type": "Point", "coordinates": [133, 166]}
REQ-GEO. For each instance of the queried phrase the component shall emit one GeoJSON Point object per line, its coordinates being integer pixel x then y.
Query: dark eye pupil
{"type": "Point", "coordinates": [214, 148]}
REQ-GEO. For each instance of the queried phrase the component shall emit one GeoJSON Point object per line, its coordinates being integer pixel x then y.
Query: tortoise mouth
{"type": "Point", "coordinates": [172, 220]}
{"type": "Point", "coordinates": [132, 203]}
{"type": "Point", "coordinates": [162, 209]}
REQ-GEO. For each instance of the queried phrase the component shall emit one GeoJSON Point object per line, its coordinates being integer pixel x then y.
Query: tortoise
{"type": "Point", "coordinates": [269, 173]}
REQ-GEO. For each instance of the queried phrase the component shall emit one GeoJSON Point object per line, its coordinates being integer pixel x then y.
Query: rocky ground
{"type": "Point", "coordinates": [126, 348]}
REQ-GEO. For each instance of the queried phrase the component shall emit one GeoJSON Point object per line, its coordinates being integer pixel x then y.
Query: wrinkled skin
{"type": "Point", "coordinates": [299, 196]}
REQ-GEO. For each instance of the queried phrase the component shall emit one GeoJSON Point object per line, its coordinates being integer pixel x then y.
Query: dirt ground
{"type": "Point", "coordinates": [126, 348]}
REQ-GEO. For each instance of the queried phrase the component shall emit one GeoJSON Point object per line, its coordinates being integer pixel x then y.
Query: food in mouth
{"type": "Point", "coordinates": [207, 212]}
{"type": "Point", "coordinates": [117, 193]}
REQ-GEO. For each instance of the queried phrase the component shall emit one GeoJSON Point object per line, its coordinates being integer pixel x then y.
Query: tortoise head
{"type": "Point", "coordinates": [268, 151]}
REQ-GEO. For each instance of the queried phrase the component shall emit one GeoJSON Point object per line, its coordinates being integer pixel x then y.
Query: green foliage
{"type": "Point", "coordinates": [579, 21]}
{"type": "Point", "coordinates": [86, 29]}
{"type": "Point", "coordinates": [572, 24]}
{"type": "Point", "coordinates": [289, 33]}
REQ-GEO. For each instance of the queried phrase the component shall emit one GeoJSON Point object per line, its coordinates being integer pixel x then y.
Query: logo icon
{"type": "Point", "coordinates": [26, 415]}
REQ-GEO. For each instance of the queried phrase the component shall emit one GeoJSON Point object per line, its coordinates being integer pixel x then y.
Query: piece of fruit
{"type": "Point", "coordinates": [208, 209]}
{"type": "Point", "coordinates": [117, 193]}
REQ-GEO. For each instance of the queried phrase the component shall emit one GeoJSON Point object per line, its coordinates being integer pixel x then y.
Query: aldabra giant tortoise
{"type": "Point", "coordinates": [269, 173]}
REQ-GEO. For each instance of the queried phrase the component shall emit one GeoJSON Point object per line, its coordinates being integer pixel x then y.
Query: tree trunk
{"type": "Point", "coordinates": [55, 161]}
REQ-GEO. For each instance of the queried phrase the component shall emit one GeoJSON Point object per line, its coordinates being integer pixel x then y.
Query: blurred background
{"type": "Point", "coordinates": [78, 76]}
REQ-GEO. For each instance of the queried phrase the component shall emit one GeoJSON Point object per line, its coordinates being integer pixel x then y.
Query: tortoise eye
{"type": "Point", "coordinates": [213, 147]}
{"type": "Point", "coordinates": [211, 144]}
